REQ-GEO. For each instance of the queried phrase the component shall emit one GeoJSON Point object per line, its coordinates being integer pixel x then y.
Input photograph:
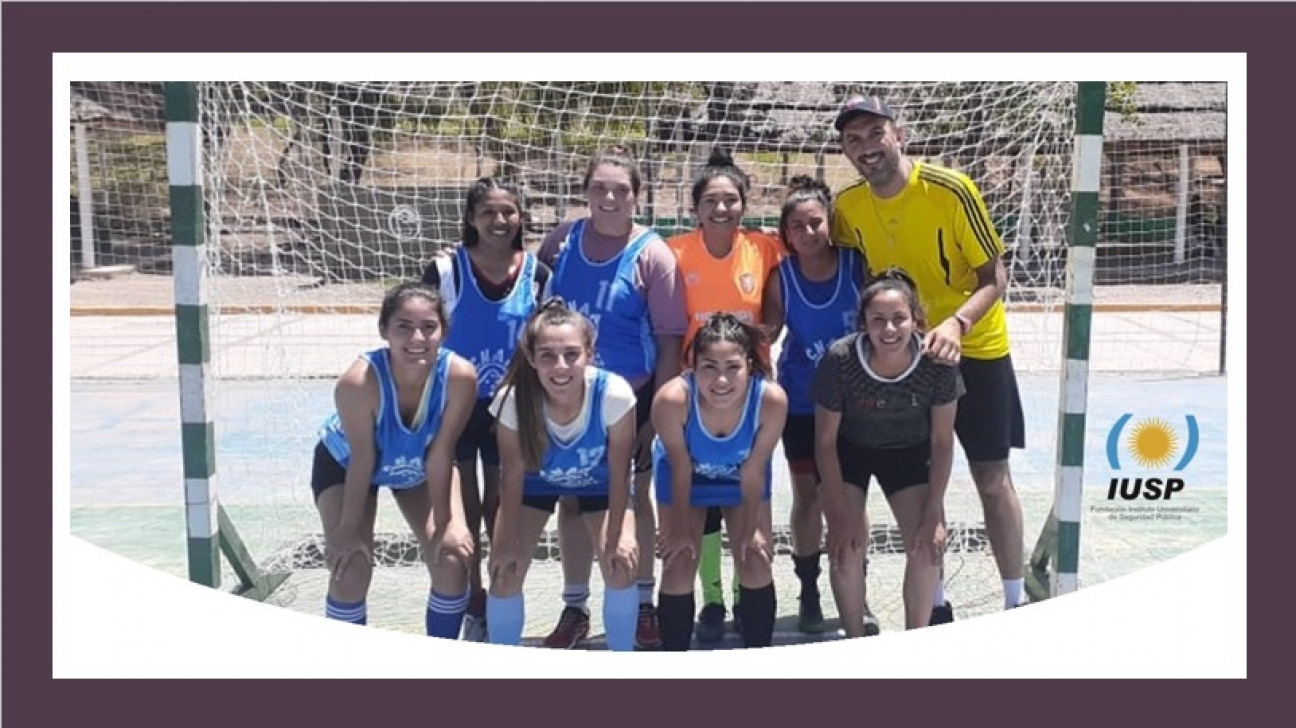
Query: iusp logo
{"type": "Point", "coordinates": [1153, 444]}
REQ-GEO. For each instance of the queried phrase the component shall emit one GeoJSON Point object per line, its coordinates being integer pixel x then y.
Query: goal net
{"type": "Point", "coordinates": [320, 195]}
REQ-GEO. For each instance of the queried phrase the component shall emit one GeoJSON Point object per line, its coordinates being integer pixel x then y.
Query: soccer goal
{"type": "Point", "coordinates": [293, 205]}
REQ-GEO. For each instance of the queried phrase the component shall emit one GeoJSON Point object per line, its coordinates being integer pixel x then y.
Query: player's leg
{"type": "Point", "coordinates": [989, 424]}
{"type": "Point", "coordinates": [844, 570]}
{"type": "Point", "coordinates": [577, 560]}
{"type": "Point", "coordinates": [476, 431]}
{"type": "Point", "coordinates": [711, 619]}
{"type": "Point", "coordinates": [448, 595]}
{"type": "Point", "coordinates": [620, 595]}
{"type": "Point", "coordinates": [675, 602]}
{"type": "Point", "coordinates": [506, 602]}
{"type": "Point", "coordinates": [346, 597]}
{"type": "Point", "coordinates": [754, 573]}
{"type": "Point", "coordinates": [806, 520]}
{"type": "Point", "coordinates": [648, 631]}
{"type": "Point", "coordinates": [902, 475]}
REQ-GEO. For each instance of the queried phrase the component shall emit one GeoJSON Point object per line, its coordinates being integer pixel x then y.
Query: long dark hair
{"type": "Point", "coordinates": [476, 193]}
{"type": "Point", "coordinates": [803, 188]}
{"type": "Point", "coordinates": [398, 295]}
{"type": "Point", "coordinates": [720, 164]}
{"type": "Point", "coordinates": [727, 328]}
{"type": "Point", "coordinates": [521, 381]}
{"type": "Point", "coordinates": [893, 279]}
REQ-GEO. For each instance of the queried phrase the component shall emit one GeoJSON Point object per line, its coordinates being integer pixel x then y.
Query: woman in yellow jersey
{"type": "Point", "coordinates": [725, 269]}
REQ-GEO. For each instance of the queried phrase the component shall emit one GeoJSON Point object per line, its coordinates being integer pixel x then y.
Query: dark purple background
{"type": "Point", "coordinates": [32, 32]}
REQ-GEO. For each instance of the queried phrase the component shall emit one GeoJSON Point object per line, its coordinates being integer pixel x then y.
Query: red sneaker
{"type": "Point", "coordinates": [572, 630]}
{"type": "Point", "coordinates": [648, 634]}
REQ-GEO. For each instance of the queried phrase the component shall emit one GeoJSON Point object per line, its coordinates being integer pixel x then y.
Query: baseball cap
{"type": "Point", "coordinates": [858, 105]}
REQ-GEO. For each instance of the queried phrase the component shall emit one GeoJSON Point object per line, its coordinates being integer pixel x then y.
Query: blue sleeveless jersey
{"type": "Point", "coordinates": [401, 451]}
{"type": "Point", "coordinates": [579, 467]}
{"type": "Point", "coordinates": [716, 461]}
{"type": "Point", "coordinates": [815, 314]}
{"type": "Point", "coordinates": [606, 293]}
{"type": "Point", "coordinates": [485, 332]}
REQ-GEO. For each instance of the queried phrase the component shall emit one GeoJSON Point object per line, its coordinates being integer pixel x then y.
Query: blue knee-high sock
{"type": "Point", "coordinates": [353, 612]}
{"type": "Point", "coordinates": [445, 614]}
{"type": "Point", "coordinates": [621, 617]}
{"type": "Point", "coordinates": [504, 619]}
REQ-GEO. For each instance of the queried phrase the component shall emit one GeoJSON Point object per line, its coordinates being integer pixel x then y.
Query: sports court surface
{"type": "Point", "coordinates": [126, 494]}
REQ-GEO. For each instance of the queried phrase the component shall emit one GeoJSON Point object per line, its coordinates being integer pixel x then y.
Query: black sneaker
{"type": "Point", "coordinates": [872, 627]}
{"type": "Point", "coordinates": [810, 619]}
{"type": "Point", "coordinates": [943, 614]}
{"type": "Point", "coordinates": [711, 623]}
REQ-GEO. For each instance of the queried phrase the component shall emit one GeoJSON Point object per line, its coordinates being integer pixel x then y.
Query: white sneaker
{"type": "Point", "coordinates": [474, 629]}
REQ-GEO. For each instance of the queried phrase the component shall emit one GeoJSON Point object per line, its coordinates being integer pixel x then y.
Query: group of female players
{"type": "Point", "coordinates": [612, 369]}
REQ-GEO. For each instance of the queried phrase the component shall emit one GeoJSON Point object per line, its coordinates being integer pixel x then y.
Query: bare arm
{"type": "Point", "coordinates": [621, 442]}
{"type": "Point", "coordinates": [442, 480]}
{"type": "Point", "coordinates": [669, 414]}
{"type": "Point", "coordinates": [772, 306]}
{"type": "Point", "coordinates": [751, 475]}
{"type": "Point", "coordinates": [512, 472]}
{"type": "Point", "coordinates": [942, 457]}
{"type": "Point", "coordinates": [356, 398]}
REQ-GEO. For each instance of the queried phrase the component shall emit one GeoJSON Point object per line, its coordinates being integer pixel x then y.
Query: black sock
{"type": "Point", "coordinates": [758, 609]}
{"type": "Point", "coordinates": [675, 620]}
{"type": "Point", "coordinates": [806, 569]}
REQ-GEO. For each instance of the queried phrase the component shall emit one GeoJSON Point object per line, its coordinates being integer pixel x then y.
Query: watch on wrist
{"type": "Point", "coordinates": [965, 325]}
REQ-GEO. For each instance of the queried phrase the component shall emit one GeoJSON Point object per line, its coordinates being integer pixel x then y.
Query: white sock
{"type": "Point", "coordinates": [575, 595]}
{"type": "Point", "coordinates": [1014, 592]}
{"type": "Point", "coordinates": [646, 587]}
{"type": "Point", "coordinates": [938, 596]}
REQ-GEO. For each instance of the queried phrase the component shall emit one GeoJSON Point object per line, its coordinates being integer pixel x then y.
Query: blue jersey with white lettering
{"type": "Point", "coordinates": [716, 460]}
{"type": "Point", "coordinates": [606, 293]}
{"type": "Point", "coordinates": [815, 314]}
{"type": "Point", "coordinates": [579, 467]}
{"type": "Point", "coordinates": [401, 450]}
{"type": "Point", "coordinates": [485, 332]}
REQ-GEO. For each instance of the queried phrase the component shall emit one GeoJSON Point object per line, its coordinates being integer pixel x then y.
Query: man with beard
{"type": "Point", "coordinates": [932, 223]}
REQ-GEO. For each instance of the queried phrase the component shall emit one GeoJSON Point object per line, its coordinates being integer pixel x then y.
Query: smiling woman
{"type": "Point", "coordinates": [400, 409]}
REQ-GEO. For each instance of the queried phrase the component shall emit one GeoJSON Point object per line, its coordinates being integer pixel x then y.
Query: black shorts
{"type": "Point", "coordinates": [479, 436]}
{"type": "Point", "coordinates": [327, 472]}
{"type": "Point", "coordinates": [989, 421]}
{"type": "Point", "coordinates": [643, 416]}
{"type": "Point", "coordinates": [798, 444]}
{"type": "Point", "coordinates": [584, 504]}
{"type": "Point", "coordinates": [895, 469]}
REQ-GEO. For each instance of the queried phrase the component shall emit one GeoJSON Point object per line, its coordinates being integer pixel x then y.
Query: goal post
{"type": "Point", "coordinates": [209, 529]}
{"type": "Point", "coordinates": [1054, 564]}
{"type": "Point", "coordinates": [295, 204]}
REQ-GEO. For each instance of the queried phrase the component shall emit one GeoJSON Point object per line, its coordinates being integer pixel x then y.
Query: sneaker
{"type": "Point", "coordinates": [572, 630]}
{"type": "Point", "coordinates": [872, 627]}
{"type": "Point", "coordinates": [711, 623]}
{"type": "Point", "coordinates": [943, 614]}
{"type": "Point", "coordinates": [810, 619]}
{"type": "Point", "coordinates": [474, 628]}
{"type": "Point", "coordinates": [647, 634]}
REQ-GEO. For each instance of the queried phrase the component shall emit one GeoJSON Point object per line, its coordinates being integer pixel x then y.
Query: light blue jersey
{"type": "Point", "coordinates": [815, 314]}
{"type": "Point", "coordinates": [579, 467]}
{"type": "Point", "coordinates": [486, 332]}
{"type": "Point", "coordinates": [401, 450]}
{"type": "Point", "coordinates": [606, 294]}
{"type": "Point", "coordinates": [716, 460]}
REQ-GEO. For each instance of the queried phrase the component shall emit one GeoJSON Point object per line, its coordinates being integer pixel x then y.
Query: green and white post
{"type": "Point", "coordinates": [1059, 543]}
{"type": "Point", "coordinates": [208, 528]}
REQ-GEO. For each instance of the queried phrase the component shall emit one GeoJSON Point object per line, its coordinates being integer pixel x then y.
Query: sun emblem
{"type": "Point", "coordinates": [1153, 442]}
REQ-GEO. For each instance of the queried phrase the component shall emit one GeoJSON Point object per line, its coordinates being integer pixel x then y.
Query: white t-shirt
{"type": "Point", "coordinates": [617, 401]}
